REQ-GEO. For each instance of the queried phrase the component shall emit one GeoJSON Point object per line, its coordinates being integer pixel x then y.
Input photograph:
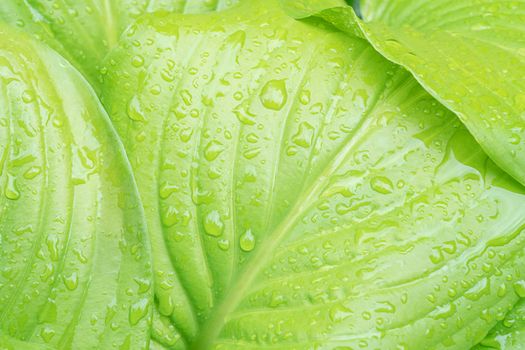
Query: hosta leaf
{"type": "Point", "coordinates": [74, 258]}
{"type": "Point", "coordinates": [469, 54]}
{"type": "Point", "coordinates": [303, 192]}
{"type": "Point", "coordinates": [85, 30]}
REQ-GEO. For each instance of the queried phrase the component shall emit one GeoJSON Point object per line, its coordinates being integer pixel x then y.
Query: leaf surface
{"type": "Point", "coordinates": [303, 192]}
{"type": "Point", "coordinates": [85, 30]}
{"type": "Point", "coordinates": [74, 256]}
{"type": "Point", "coordinates": [469, 54]}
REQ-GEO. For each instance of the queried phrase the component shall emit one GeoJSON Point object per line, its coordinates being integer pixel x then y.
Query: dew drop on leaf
{"type": "Point", "coordinates": [304, 135]}
{"type": "Point", "coordinates": [213, 224]}
{"type": "Point", "coordinates": [135, 110]}
{"type": "Point", "coordinates": [213, 150]}
{"type": "Point", "coordinates": [47, 334]}
{"type": "Point", "coordinates": [71, 281]}
{"type": "Point", "coordinates": [11, 190]}
{"type": "Point", "coordinates": [247, 241]}
{"type": "Point", "coordinates": [138, 311]}
{"type": "Point", "coordinates": [273, 95]}
{"type": "Point", "coordinates": [137, 61]}
{"type": "Point", "coordinates": [519, 288]}
{"type": "Point", "coordinates": [382, 185]}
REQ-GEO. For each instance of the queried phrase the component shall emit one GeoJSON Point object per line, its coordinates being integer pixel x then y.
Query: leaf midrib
{"type": "Point", "coordinates": [215, 324]}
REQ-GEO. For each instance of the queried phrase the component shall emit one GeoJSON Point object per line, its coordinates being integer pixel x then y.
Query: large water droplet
{"type": "Point", "coordinates": [273, 95]}
{"type": "Point", "coordinates": [519, 288]}
{"type": "Point", "coordinates": [71, 281]}
{"type": "Point", "coordinates": [247, 241]}
{"type": "Point", "coordinates": [138, 311]}
{"type": "Point", "coordinates": [11, 189]}
{"type": "Point", "coordinates": [213, 224]}
{"type": "Point", "coordinates": [382, 185]}
{"type": "Point", "coordinates": [213, 150]}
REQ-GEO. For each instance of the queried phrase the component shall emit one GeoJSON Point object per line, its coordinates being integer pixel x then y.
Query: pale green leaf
{"type": "Point", "coordinates": [469, 54]}
{"type": "Point", "coordinates": [303, 192]}
{"type": "Point", "coordinates": [74, 256]}
{"type": "Point", "coordinates": [85, 30]}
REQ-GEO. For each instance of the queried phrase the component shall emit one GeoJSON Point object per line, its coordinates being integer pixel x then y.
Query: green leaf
{"type": "Point", "coordinates": [74, 256]}
{"type": "Point", "coordinates": [509, 334]}
{"type": "Point", "coordinates": [469, 54]}
{"type": "Point", "coordinates": [85, 30]}
{"type": "Point", "coordinates": [303, 192]}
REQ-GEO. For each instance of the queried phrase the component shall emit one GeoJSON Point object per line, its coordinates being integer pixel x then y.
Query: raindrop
{"type": "Point", "coordinates": [247, 241]}
{"type": "Point", "coordinates": [138, 311]}
{"type": "Point", "coordinates": [213, 224]}
{"type": "Point", "coordinates": [273, 95]}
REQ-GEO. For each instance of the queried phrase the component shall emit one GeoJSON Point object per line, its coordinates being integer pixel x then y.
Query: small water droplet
{"type": "Point", "coordinates": [47, 334]}
{"type": "Point", "coordinates": [32, 172]}
{"type": "Point", "coordinates": [137, 61]}
{"type": "Point", "coordinates": [382, 185]}
{"type": "Point", "coordinates": [223, 244]}
{"type": "Point", "coordinates": [28, 96]}
{"type": "Point", "coordinates": [252, 153]}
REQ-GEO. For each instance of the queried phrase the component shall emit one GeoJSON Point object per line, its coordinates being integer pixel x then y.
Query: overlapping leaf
{"type": "Point", "coordinates": [469, 54]}
{"type": "Point", "coordinates": [303, 192]}
{"type": "Point", "coordinates": [85, 30]}
{"type": "Point", "coordinates": [75, 268]}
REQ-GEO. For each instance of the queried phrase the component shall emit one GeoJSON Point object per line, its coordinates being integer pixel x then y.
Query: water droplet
{"type": "Point", "coordinates": [71, 281]}
{"type": "Point", "coordinates": [305, 97]}
{"type": "Point", "coordinates": [28, 96]}
{"type": "Point", "coordinates": [252, 153]}
{"type": "Point", "coordinates": [339, 313]}
{"type": "Point", "coordinates": [11, 190]}
{"type": "Point", "coordinates": [185, 134]}
{"type": "Point", "coordinates": [382, 185]}
{"type": "Point", "coordinates": [52, 246]}
{"type": "Point", "coordinates": [155, 89]}
{"type": "Point", "coordinates": [135, 110]}
{"type": "Point", "coordinates": [245, 117]}
{"type": "Point", "coordinates": [170, 216]}
{"type": "Point", "coordinates": [515, 139]}
{"type": "Point", "coordinates": [186, 96]}
{"type": "Point", "coordinates": [502, 290]}
{"type": "Point", "coordinates": [137, 61]}
{"type": "Point", "coordinates": [519, 288]}
{"type": "Point", "coordinates": [143, 284]}
{"type": "Point", "coordinates": [223, 244]}
{"type": "Point", "coordinates": [138, 311]}
{"type": "Point", "coordinates": [252, 138]}
{"type": "Point", "coordinates": [247, 241]}
{"type": "Point", "coordinates": [213, 224]}
{"type": "Point", "coordinates": [166, 305]}
{"type": "Point", "coordinates": [304, 136]}
{"type": "Point", "coordinates": [213, 150]}
{"type": "Point", "coordinates": [32, 172]}
{"type": "Point", "coordinates": [167, 189]}
{"type": "Point", "coordinates": [47, 334]}
{"type": "Point", "coordinates": [273, 95]}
